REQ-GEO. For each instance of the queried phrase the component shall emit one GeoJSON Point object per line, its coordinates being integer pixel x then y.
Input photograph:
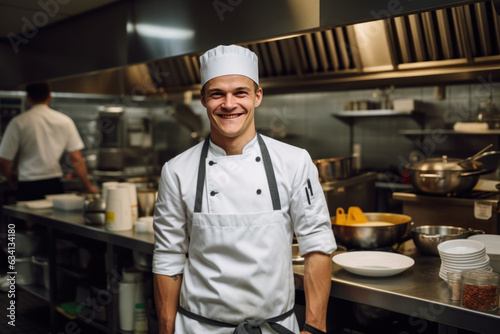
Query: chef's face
{"type": "Point", "coordinates": [230, 101]}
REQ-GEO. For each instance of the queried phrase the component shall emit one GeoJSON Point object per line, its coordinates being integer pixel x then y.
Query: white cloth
{"type": "Point", "coordinates": [176, 196]}
{"type": "Point", "coordinates": [39, 137]}
{"type": "Point", "coordinates": [227, 60]}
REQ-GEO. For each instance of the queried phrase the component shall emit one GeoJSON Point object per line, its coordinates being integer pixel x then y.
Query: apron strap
{"type": "Point", "coordinates": [247, 326]}
{"type": "Point", "coordinates": [271, 178]}
{"type": "Point", "coordinates": [201, 176]}
{"type": "Point", "coordinates": [268, 166]}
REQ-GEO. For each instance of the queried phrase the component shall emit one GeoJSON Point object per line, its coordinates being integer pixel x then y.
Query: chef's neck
{"type": "Point", "coordinates": [232, 145]}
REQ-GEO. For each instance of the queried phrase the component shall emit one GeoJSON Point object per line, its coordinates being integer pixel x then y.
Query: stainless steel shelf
{"type": "Point", "coordinates": [370, 113]}
{"type": "Point", "coordinates": [418, 132]}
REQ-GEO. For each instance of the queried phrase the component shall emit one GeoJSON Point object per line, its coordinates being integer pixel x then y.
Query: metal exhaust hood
{"type": "Point", "coordinates": [317, 45]}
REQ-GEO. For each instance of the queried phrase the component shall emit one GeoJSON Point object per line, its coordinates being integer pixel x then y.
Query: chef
{"type": "Point", "coordinates": [226, 214]}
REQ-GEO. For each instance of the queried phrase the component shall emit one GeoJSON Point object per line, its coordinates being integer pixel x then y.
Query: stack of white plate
{"type": "Point", "coordinates": [458, 255]}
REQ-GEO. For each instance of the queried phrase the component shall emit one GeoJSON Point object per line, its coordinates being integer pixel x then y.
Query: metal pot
{"type": "Point", "coordinates": [443, 176]}
{"type": "Point", "coordinates": [371, 237]}
{"type": "Point", "coordinates": [428, 237]}
{"type": "Point", "coordinates": [333, 169]}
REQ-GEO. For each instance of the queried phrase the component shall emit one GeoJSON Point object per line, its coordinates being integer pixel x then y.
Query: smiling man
{"type": "Point", "coordinates": [234, 203]}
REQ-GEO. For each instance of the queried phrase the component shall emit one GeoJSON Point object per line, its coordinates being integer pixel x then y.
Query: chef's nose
{"type": "Point", "coordinates": [229, 102]}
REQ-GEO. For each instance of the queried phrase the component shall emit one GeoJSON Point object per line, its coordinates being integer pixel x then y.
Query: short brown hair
{"type": "Point", "coordinates": [38, 92]}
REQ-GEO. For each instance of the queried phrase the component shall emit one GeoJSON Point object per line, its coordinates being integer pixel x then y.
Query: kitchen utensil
{"type": "Point", "coordinates": [94, 211]}
{"type": "Point", "coordinates": [373, 263]}
{"type": "Point", "coordinates": [147, 199]}
{"type": "Point", "coordinates": [340, 216]}
{"type": "Point", "coordinates": [428, 237]}
{"type": "Point", "coordinates": [355, 215]}
{"type": "Point", "coordinates": [470, 163]}
{"type": "Point", "coordinates": [333, 169]}
{"type": "Point", "coordinates": [443, 176]}
{"type": "Point", "coordinates": [361, 236]}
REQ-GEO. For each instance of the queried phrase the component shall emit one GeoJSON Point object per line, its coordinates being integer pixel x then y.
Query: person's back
{"type": "Point", "coordinates": [38, 138]}
{"type": "Point", "coordinates": [44, 136]}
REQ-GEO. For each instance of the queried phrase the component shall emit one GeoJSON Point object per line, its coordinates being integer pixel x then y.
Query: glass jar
{"type": "Point", "coordinates": [455, 285]}
{"type": "Point", "coordinates": [480, 290]}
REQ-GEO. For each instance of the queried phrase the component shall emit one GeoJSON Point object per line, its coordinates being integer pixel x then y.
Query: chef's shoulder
{"type": "Point", "coordinates": [286, 153]}
{"type": "Point", "coordinates": [186, 161]}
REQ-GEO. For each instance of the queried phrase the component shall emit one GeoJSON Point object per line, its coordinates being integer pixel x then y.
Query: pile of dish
{"type": "Point", "coordinates": [462, 254]}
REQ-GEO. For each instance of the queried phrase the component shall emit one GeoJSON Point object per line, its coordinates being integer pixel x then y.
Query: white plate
{"type": "Point", "coordinates": [492, 243]}
{"type": "Point", "coordinates": [373, 263]}
{"type": "Point", "coordinates": [461, 247]}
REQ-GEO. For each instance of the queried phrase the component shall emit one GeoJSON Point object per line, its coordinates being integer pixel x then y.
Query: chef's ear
{"type": "Point", "coordinates": [202, 96]}
{"type": "Point", "coordinates": [258, 96]}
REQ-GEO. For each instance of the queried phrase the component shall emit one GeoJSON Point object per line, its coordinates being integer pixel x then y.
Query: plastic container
{"type": "Point", "coordinates": [480, 290]}
{"type": "Point", "coordinates": [140, 319]}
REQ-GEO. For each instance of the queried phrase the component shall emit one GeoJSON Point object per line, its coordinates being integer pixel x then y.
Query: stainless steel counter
{"type": "Point", "coordinates": [417, 292]}
{"type": "Point", "coordinates": [73, 222]}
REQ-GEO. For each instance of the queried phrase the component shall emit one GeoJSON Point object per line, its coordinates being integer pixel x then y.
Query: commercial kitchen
{"type": "Point", "coordinates": [390, 99]}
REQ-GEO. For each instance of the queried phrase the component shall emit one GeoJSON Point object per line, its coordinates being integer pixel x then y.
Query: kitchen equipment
{"type": "Point", "coordinates": [371, 237]}
{"type": "Point", "coordinates": [428, 237]}
{"type": "Point", "coordinates": [43, 262]}
{"type": "Point", "coordinates": [443, 176]}
{"type": "Point", "coordinates": [332, 169]}
{"type": "Point", "coordinates": [478, 210]}
{"type": "Point", "coordinates": [94, 211]}
{"type": "Point", "coordinates": [118, 212]}
{"type": "Point", "coordinates": [68, 202]}
{"type": "Point", "coordinates": [147, 199]}
{"type": "Point", "coordinates": [27, 243]}
{"type": "Point", "coordinates": [470, 162]}
{"type": "Point", "coordinates": [358, 190]}
{"type": "Point", "coordinates": [373, 263]}
{"type": "Point", "coordinates": [462, 254]}
{"type": "Point", "coordinates": [24, 269]}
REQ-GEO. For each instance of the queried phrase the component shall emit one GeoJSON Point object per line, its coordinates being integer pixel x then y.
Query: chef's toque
{"type": "Point", "coordinates": [227, 60]}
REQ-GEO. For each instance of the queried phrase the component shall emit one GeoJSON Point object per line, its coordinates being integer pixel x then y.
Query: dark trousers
{"type": "Point", "coordinates": [32, 190]}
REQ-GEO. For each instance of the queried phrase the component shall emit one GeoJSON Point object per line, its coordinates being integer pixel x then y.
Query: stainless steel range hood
{"type": "Point", "coordinates": [317, 45]}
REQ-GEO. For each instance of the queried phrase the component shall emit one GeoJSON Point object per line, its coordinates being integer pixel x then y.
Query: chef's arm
{"type": "Point", "coordinates": [7, 171]}
{"type": "Point", "coordinates": [317, 283]}
{"type": "Point", "coordinates": [80, 168]}
{"type": "Point", "coordinates": [166, 292]}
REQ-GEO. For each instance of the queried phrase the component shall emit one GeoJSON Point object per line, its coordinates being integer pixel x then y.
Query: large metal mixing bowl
{"type": "Point", "coordinates": [372, 237]}
{"type": "Point", "coordinates": [428, 237]}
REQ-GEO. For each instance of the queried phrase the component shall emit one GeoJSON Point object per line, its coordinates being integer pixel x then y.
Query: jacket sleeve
{"type": "Point", "coordinates": [309, 211]}
{"type": "Point", "coordinates": [170, 227]}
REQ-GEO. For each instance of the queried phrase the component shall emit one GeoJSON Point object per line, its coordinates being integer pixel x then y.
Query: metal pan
{"type": "Point", "coordinates": [372, 237]}
{"type": "Point", "coordinates": [333, 169]}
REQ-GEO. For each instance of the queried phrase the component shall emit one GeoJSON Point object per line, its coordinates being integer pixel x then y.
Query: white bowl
{"type": "Point", "coordinates": [461, 247]}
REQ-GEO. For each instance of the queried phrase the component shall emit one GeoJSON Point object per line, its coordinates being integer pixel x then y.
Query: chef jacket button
{"type": "Point", "coordinates": [257, 159]}
{"type": "Point", "coordinates": [213, 193]}
{"type": "Point", "coordinates": [211, 163]}
{"type": "Point", "coordinates": [259, 191]}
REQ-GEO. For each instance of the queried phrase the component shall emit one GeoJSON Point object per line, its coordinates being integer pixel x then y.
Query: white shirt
{"type": "Point", "coordinates": [39, 136]}
{"type": "Point", "coordinates": [236, 185]}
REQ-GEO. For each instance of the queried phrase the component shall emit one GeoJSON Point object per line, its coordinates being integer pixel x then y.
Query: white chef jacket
{"type": "Point", "coordinates": [40, 136]}
{"type": "Point", "coordinates": [176, 197]}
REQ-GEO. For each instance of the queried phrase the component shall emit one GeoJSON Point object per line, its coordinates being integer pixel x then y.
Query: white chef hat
{"type": "Point", "coordinates": [226, 60]}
